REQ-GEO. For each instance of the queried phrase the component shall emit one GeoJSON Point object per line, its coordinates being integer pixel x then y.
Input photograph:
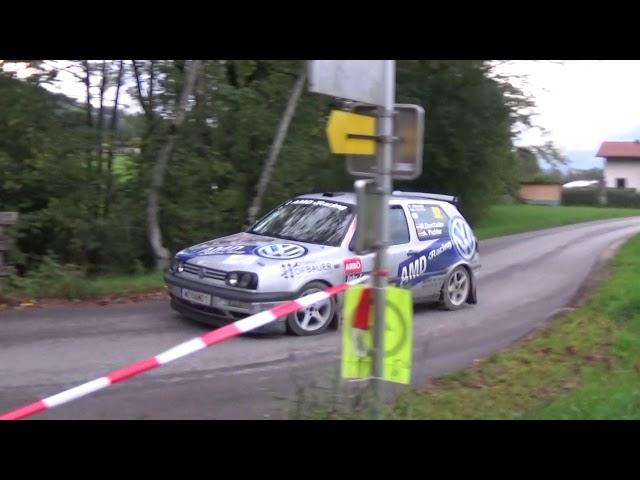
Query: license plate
{"type": "Point", "coordinates": [196, 297]}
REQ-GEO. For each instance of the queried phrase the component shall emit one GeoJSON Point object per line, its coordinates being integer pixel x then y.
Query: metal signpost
{"type": "Point", "coordinates": [389, 152]}
{"type": "Point", "coordinates": [408, 132]}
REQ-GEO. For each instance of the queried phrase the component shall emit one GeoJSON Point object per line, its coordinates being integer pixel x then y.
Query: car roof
{"type": "Point", "coordinates": [396, 199]}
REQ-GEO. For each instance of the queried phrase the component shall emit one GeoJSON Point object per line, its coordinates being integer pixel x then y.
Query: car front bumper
{"type": "Point", "coordinates": [225, 305]}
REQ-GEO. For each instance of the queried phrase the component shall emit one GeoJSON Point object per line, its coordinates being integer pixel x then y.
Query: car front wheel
{"type": "Point", "coordinates": [315, 318]}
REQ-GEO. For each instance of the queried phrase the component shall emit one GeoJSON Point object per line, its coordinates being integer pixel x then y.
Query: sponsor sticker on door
{"type": "Point", "coordinates": [352, 268]}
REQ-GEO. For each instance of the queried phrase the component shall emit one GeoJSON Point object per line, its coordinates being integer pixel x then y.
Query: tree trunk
{"type": "Point", "coordinates": [112, 139]}
{"type": "Point", "coordinates": [99, 130]}
{"type": "Point", "coordinates": [100, 137]}
{"type": "Point", "coordinates": [154, 233]}
{"type": "Point", "coordinates": [152, 73]}
{"type": "Point", "coordinates": [276, 146]}
{"type": "Point", "coordinates": [143, 104]}
{"type": "Point", "coordinates": [87, 84]}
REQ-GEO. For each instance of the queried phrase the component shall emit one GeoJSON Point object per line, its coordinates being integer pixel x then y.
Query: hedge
{"type": "Point", "coordinates": [589, 197]}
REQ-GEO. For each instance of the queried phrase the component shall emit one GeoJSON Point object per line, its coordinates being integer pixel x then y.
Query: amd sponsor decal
{"type": "Point", "coordinates": [275, 251]}
{"type": "Point", "coordinates": [317, 203]}
{"type": "Point", "coordinates": [199, 251]}
{"type": "Point", "coordinates": [413, 270]}
{"type": "Point", "coordinates": [227, 250]}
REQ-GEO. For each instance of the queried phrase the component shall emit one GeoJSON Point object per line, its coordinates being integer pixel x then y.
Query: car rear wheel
{"type": "Point", "coordinates": [315, 318]}
{"type": "Point", "coordinates": [456, 288]}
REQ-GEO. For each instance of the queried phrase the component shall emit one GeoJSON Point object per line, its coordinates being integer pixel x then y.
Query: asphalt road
{"type": "Point", "coordinates": [526, 279]}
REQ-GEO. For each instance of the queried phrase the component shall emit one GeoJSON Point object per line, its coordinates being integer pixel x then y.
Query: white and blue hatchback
{"type": "Point", "coordinates": [306, 244]}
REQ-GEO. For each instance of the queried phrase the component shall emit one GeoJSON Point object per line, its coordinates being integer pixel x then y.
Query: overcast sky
{"type": "Point", "coordinates": [579, 102]}
{"type": "Point", "coordinates": [583, 103]}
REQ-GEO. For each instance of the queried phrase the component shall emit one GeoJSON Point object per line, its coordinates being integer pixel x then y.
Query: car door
{"type": "Point", "coordinates": [426, 264]}
{"type": "Point", "coordinates": [399, 239]}
{"type": "Point", "coordinates": [399, 245]}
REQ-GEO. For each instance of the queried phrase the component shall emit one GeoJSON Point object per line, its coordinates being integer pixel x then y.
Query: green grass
{"type": "Point", "coordinates": [585, 366]}
{"type": "Point", "coordinates": [73, 285]}
{"type": "Point", "coordinates": [509, 219]}
{"type": "Point", "coordinates": [126, 284]}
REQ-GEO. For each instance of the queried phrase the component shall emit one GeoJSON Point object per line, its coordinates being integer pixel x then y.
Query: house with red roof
{"type": "Point", "coordinates": [622, 164]}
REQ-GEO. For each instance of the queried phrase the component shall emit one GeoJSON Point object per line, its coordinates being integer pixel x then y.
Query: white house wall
{"type": "Point", "coordinates": [622, 168]}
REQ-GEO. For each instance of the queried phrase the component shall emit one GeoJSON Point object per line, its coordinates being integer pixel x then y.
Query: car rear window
{"type": "Point", "coordinates": [430, 221]}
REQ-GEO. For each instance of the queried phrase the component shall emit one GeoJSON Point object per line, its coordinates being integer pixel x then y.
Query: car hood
{"type": "Point", "coordinates": [250, 252]}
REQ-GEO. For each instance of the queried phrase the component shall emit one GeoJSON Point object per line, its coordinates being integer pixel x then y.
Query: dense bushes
{"type": "Point", "coordinates": [580, 196]}
{"type": "Point", "coordinates": [50, 278]}
{"type": "Point", "coordinates": [590, 197]}
{"type": "Point", "coordinates": [623, 198]}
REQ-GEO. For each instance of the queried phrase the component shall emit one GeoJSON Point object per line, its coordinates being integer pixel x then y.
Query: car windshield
{"type": "Point", "coordinates": [307, 220]}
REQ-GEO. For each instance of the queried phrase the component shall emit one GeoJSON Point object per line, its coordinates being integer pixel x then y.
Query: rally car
{"type": "Point", "coordinates": [306, 244]}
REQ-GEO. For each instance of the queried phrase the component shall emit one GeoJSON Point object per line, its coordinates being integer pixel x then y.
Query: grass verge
{"type": "Point", "coordinates": [125, 284]}
{"type": "Point", "coordinates": [585, 365]}
{"type": "Point", "coordinates": [78, 287]}
{"type": "Point", "coordinates": [510, 219]}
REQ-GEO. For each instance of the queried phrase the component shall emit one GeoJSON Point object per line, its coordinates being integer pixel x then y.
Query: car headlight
{"type": "Point", "coordinates": [232, 279]}
{"type": "Point", "coordinates": [177, 265]}
{"type": "Point", "coordinates": [242, 280]}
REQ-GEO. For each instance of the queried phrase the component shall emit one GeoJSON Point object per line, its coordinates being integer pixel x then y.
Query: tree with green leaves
{"type": "Point", "coordinates": [212, 147]}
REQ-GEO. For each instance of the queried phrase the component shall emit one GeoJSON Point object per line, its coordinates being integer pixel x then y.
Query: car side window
{"type": "Point", "coordinates": [430, 221]}
{"type": "Point", "coordinates": [398, 225]}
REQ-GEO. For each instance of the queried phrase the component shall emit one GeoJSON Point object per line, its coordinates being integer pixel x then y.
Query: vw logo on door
{"type": "Point", "coordinates": [281, 250]}
{"type": "Point", "coordinates": [463, 238]}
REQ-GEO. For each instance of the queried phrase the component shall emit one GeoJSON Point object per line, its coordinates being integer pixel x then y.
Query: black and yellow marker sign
{"type": "Point", "coordinates": [357, 334]}
{"type": "Point", "coordinates": [343, 124]}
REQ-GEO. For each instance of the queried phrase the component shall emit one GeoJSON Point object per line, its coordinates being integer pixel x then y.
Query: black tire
{"type": "Point", "coordinates": [295, 322]}
{"type": "Point", "coordinates": [456, 299]}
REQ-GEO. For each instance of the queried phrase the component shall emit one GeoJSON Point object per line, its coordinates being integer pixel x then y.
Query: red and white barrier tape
{"type": "Point", "coordinates": [182, 350]}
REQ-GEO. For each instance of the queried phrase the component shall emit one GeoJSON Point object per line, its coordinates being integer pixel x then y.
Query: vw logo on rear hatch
{"type": "Point", "coordinates": [463, 238]}
{"type": "Point", "coordinates": [281, 250]}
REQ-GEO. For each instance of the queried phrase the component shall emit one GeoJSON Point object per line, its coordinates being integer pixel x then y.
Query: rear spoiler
{"type": "Point", "coordinates": [429, 196]}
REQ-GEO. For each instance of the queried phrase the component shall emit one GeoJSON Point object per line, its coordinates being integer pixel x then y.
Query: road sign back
{"type": "Point", "coordinates": [407, 150]}
{"type": "Point", "coordinates": [359, 80]}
